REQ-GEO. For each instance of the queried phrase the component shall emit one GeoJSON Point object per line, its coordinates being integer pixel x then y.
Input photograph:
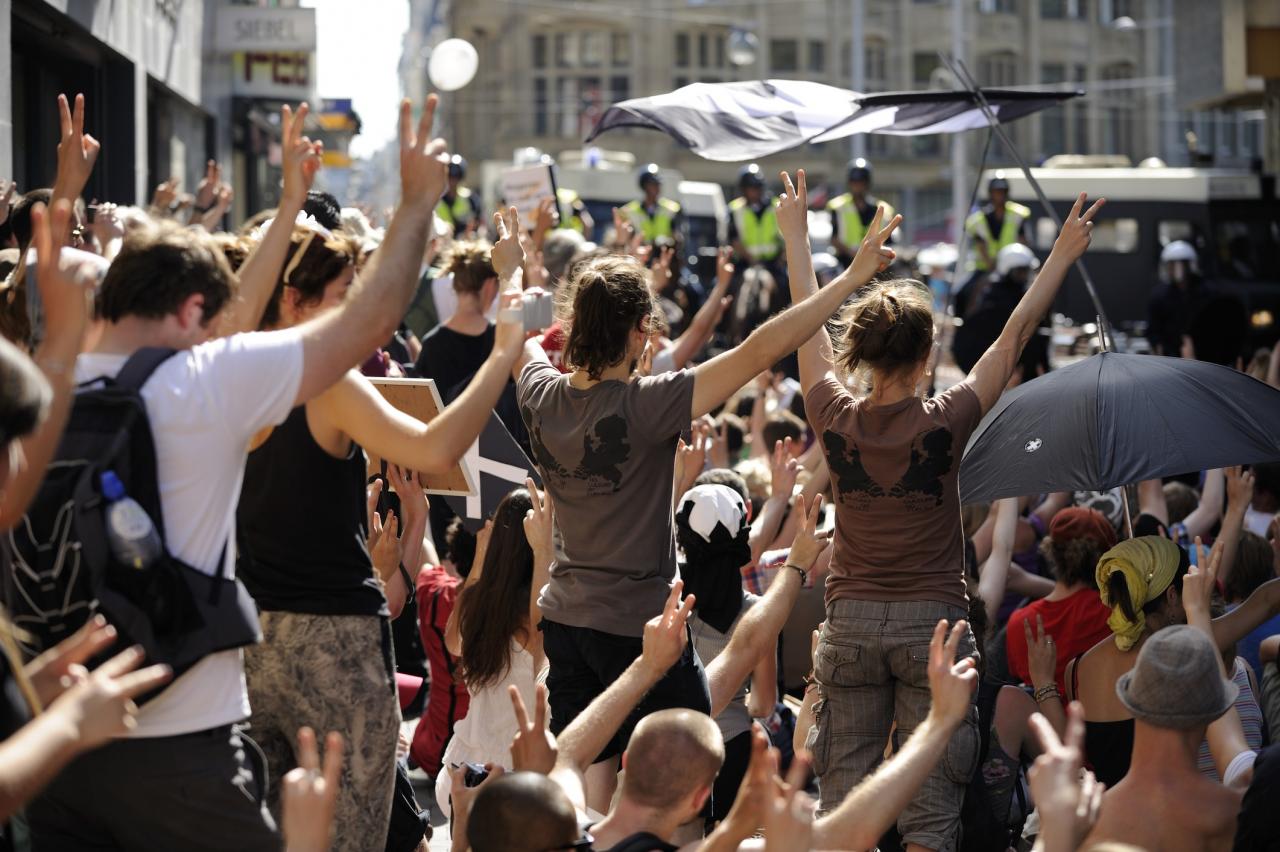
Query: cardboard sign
{"type": "Point", "coordinates": [525, 186]}
{"type": "Point", "coordinates": [419, 399]}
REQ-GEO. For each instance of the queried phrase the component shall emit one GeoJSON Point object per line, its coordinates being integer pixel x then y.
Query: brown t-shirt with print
{"type": "Point", "coordinates": [607, 458]}
{"type": "Point", "coordinates": [894, 470]}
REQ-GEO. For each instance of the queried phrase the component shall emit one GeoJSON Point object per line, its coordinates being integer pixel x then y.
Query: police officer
{"type": "Point", "coordinates": [852, 212]}
{"type": "Point", "coordinates": [459, 207]}
{"type": "Point", "coordinates": [753, 224]}
{"type": "Point", "coordinates": [1015, 266]}
{"type": "Point", "coordinates": [655, 218]}
{"type": "Point", "coordinates": [999, 223]}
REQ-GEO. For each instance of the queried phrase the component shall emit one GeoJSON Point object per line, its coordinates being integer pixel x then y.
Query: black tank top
{"type": "Point", "coordinates": [303, 527]}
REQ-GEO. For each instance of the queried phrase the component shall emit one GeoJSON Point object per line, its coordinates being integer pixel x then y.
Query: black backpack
{"type": "Point", "coordinates": [981, 828]}
{"type": "Point", "coordinates": [61, 570]}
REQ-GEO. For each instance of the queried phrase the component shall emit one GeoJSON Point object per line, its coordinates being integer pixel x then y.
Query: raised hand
{"type": "Point", "coordinates": [387, 550]}
{"type": "Point", "coordinates": [308, 795]}
{"type": "Point", "coordinates": [873, 255]}
{"type": "Point", "coordinates": [784, 468]}
{"type": "Point", "coordinates": [99, 705]}
{"type": "Point", "coordinates": [665, 636]}
{"type": "Point", "coordinates": [1042, 654]}
{"type": "Point", "coordinates": [547, 216]}
{"type": "Point", "coordinates": [1068, 803]}
{"type": "Point", "coordinates": [718, 447]}
{"type": "Point", "coordinates": [1200, 582]}
{"type": "Point", "coordinates": [788, 815]}
{"type": "Point", "coordinates": [540, 524]}
{"type": "Point", "coordinates": [424, 162]}
{"type": "Point", "coordinates": [413, 500]}
{"type": "Point", "coordinates": [1077, 229]}
{"type": "Point", "coordinates": [300, 157]}
{"type": "Point", "coordinates": [1240, 484]}
{"type": "Point", "coordinates": [661, 274]}
{"type": "Point", "coordinates": [724, 267]}
{"type": "Point", "coordinates": [508, 255]}
{"type": "Point", "coordinates": [951, 682]}
{"type": "Point", "coordinates": [77, 151]}
{"type": "Point", "coordinates": [106, 226]}
{"type": "Point", "coordinates": [692, 457]}
{"type": "Point", "coordinates": [66, 289]}
{"type": "Point", "coordinates": [221, 204]}
{"type": "Point", "coordinates": [793, 208]}
{"type": "Point", "coordinates": [207, 189]}
{"type": "Point", "coordinates": [809, 543]}
{"type": "Point", "coordinates": [56, 669]}
{"type": "Point", "coordinates": [757, 788]}
{"type": "Point", "coordinates": [164, 196]}
{"type": "Point", "coordinates": [534, 747]}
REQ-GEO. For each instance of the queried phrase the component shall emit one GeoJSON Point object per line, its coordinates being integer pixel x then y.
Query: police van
{"type": "Point", "coordinates": [1230, 216]}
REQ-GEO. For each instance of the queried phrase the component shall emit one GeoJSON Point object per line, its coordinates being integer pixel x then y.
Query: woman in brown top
{"type": "Point", "coordinates": [897, 567]}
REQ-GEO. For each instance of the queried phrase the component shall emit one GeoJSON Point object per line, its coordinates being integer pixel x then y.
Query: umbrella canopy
{"type": "Point", "coordinates": [755, 118]}
{"type": "Point", "coordinates": [1115, 419]}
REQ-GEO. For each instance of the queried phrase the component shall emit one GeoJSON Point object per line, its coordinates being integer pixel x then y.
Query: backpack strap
{"type": "Point", "coordinates": [141, 364]}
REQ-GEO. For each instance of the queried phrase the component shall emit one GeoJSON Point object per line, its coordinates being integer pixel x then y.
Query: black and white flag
{"type": "Point", "coordinates": [756, 118]}
{"type": "Point", "coordinates": [498, 466]}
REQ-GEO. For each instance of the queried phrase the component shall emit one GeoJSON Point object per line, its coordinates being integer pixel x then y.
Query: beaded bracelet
{"type": "Point", "coordinates": [1044, 693]}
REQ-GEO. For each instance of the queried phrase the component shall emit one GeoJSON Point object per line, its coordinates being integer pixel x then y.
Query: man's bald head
{"type": "Point", "coordinates": [671, 755]}
{"type": "Point", "coordinates": [521, 812]}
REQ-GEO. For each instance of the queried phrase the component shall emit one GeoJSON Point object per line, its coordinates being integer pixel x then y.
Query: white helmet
{"type": "Point", "coordinates": [1015, 256]}
{"type": "Point", "coordinates": [1178, 250]}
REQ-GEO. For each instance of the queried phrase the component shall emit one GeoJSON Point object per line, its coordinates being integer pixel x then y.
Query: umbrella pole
{"type": "Point", "coordinates": [1128, 518]}
{"type": "Point", "coordinates": [961, 73]}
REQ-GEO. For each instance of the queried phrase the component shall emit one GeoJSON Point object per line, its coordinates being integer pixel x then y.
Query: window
{"type": "Point", "coordinates": [875, 63]}
{"type": "Point", "coordinates": [682, 50]}
{"type": "Point", "coordinates": [998, 69]}
{"type": "Point", "coordinates": [784, 54]}
{"type": "Point", "coordinates": [1118, 128]}
{"type": "Point", "coordinates": [681, 82]}
{"type": "Point", "coordinates": [922, 67]}
{"type": "Point", "coordinates": [1113, 235]}
{"type": "Point", "coordinates": [1053, 8]}
{"type": "Point", "coordinates": [817, 56]}
{"type": "Point", "coordinates": [541, 117]}
{"type": "Point", "coordinates": [592, 49]}
{"type": "Point", "coordinates": [704, 50]}
{"type": "Point", "coordinates": [619, 88]}
{"type": "Point", "coordinates": [720, 47]}
{"type": "Point", "coordinates": [539, 51]}
{"type": "Point", "coordinates": [1172, 230]}
{"type": "Point", "coordinates": [621, 49]}
{"type": "Point", "coordinates": [567, 50]}
{"type": "Point", "coordinates": [1053, 121]}
{"type": "Point", "coordinates": [1007, 7]}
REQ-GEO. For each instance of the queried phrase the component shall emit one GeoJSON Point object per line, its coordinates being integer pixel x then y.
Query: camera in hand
{"type": "Point", "coordinates": [537, 309]}
{"type": "Point", "coordinates": [475, 775]}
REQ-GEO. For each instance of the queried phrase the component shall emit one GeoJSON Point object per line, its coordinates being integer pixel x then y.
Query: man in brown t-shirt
{"type": "Point", "coordinates": [605, 443]}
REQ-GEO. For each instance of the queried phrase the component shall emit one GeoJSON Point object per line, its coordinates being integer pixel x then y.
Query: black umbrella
{"type": "Point", "coordinates": [1117, 419]}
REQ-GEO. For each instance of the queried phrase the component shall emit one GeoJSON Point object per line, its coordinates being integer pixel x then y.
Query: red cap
{"type": "Point", "coordinates": [1079, 522]}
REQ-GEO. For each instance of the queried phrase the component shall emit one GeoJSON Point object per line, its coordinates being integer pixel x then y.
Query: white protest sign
{"type": "Point", "coordinates": [523, 187]}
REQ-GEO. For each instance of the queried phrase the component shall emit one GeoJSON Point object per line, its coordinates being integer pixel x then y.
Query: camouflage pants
{"type": "Point", "coordinates": [332, 673]}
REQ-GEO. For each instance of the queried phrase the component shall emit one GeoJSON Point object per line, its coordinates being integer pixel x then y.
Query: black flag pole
{"type": "Point", "coordinates": [965, 79]}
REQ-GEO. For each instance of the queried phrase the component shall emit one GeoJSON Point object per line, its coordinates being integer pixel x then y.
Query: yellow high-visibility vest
{"type": "Point", "coordinates": [851, 229]}
{"type": "Point", "coordinates": [758, 232]}
{"type": "Point", "coordinates": [459, 213]}
{"type": "Point", "coordinates": [978, 229]}
{"type": "Point", "coordinates": [568, 201]}
{"type": "Point", "coordinates": [660, 224]}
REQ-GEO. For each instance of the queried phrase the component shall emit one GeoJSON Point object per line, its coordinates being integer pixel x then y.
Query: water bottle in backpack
{"type": "Point", "coordinates": [131, 535]}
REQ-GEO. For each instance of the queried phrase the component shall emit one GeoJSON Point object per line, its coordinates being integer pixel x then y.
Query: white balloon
{"type": "Point", "coordinates": [453, 64]}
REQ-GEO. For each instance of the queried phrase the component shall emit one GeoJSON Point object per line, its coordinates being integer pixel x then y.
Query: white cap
{"type": "Point", "coordinates": [711, 505]}
{"type": "Point", "coordinates": [1178, 250]}
{"type": "Point", "coordinates": [1015, 256]}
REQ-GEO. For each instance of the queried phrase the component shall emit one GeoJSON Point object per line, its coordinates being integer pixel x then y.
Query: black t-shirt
{"type": "Point", "coordinates": [1258, 825]}
{"type": "Point", "coordinates": [451, 358]}
{"type": "Point", "coordinates": [303, 527]}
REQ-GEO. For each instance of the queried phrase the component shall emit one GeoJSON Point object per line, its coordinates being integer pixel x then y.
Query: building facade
{"type": "Point", "coordinates": [548, 69]}
{"type": "Point", "coordinates": [138, 63]}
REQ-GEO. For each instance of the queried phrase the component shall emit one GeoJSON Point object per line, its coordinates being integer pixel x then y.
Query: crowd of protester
{"type": "Point", "coordinates": [741, 607]}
